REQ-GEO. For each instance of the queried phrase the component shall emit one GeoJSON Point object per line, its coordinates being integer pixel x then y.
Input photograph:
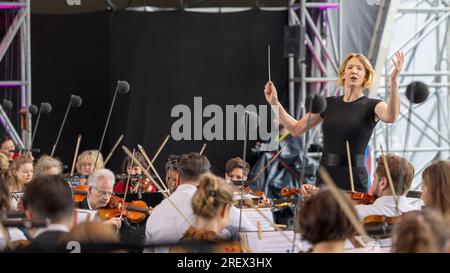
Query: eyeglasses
{"type": "Point", "coordinates": [106, 193]}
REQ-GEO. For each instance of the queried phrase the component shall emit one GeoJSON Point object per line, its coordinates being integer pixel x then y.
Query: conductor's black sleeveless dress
{"type": "Point", "coordinates": [347, 121]}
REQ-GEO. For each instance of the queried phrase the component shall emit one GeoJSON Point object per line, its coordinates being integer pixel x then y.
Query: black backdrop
{"type": "Point", "coordinates": [167, 57]}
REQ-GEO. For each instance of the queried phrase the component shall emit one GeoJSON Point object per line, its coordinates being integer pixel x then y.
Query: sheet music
{"type": "Point", "coordinates": [273, 242]}
{"type": "Point", "coordinates": [84, 215]}
{"type": "Point", "coordinates": [253, 216]}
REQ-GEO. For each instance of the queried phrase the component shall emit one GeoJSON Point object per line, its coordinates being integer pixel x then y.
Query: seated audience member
{"type": "Point", "coordinates": [166, 224]}
{"type": "Point", "coordinates": [323, 223]}
{"type": "Point", "coordinates": [49, 198]}
{"type": "Point", "coordinates": [436, 188]}
{"type": "Point", "coordinates": [91, 235]}
{"type": "Point", "coordinates": [421, 231]}
{"type": "Point", "coordinates": [385, 203]}
{"type": "Point", "coordinates": [47, 165]}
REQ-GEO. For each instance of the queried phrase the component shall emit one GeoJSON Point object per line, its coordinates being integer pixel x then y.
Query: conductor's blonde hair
{"type": "Point", "coordinates": [370, 72]}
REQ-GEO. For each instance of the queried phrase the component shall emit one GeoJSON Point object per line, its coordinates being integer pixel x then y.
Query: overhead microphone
{"type": "Point", "coordinates": [122, 87]}
{"type": "Point", "coordinates": [316, 104]}
{"type": "Point", "coordinates": [7, 104]}
{"type": "Point", "coordinates": [33, 109]}
{"type": "Point", "coordinates": [45, 108]}
{"type": "Point", "coordinates": [75, 102]}
{"type": "Point", "coordinates": [416, 92]}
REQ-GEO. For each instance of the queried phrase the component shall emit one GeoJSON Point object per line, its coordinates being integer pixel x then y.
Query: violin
{"type": "Point", "coordinates": [288, 191]}
{"type": "Point", "coordinates": [255, 193]}
{"type": "Point", "coordinates": [379, 219]}
{"type": "Point", "coordinates": [361, 197]}
{"type": "Point", "coordinates": [380, 225]}
{"type": "Point", "coordinates": [80, 192]}
{"type": "Point", "coordinates": [135, 211]}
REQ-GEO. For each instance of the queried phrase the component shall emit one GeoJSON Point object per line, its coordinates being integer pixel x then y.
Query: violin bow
{"type": "Point", "coordinates": [150, 164]}
{"type": "Point", "coordinates": [249, 203]}
{"type": "Point", "coordinates": [126, 187]}
{"type": "Point", "coordinates": [164, 193]}
{"type": "Point", "coordinates": [202, 149]}
{"type": "Point", "coordinates": [160, 148]}
{"type": "Point", "coordinates": [268, 164]}
{"type": "Point", "coordinates": [339, 197]}
{"type": "Point", "coordinates": [77, 147]}
{"type": "Point", "coordinates": [352, 182]}
{"type": "Point", "coordinates": [113, 149]}
{"type": "Point", "coordinates": [268, 63]}
{"type": "Point", "coordinates": [389, 177]}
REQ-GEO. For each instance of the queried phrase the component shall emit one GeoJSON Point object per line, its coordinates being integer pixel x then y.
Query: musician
{"type": "Point", "coordinates": [323, 223]}
{"type": "Point", "coordinates": [166, 224]}
{"type": "Point", "coordinates": [236, 169]}
{"type": "Point", "coordinates": [350, 117]}
{"type": "Point", "coordinates": [19, 176]}
{"type": "Point", "coordinates": [5, 205]}
{"type": "Point", "coordinates": [385, 203]}
{"type": "Point", "coordinates": [131, 168]}
{"type": "Point", "coordinates": [172, 177]}
{"type": "Point", "coordinates": [421, 231]}
{"type": "Point", "coordinates": [47, 165]}
{"type": "Point", "coordinates": [48, 197]}
{"type": "Point", "coordinates": [101, 183]}
{"type": "Point", "coordinates": [6, 146]}
{"type": "Point", "coordinates": [86, 163]}
{"type": "Point", "coordinates": [211, 205]}
{"type": "Point", "coordinates": [436, 188]}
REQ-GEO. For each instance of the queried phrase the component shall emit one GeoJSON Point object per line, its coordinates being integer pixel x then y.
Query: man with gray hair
{"type": "Point", "coordinates": [101, 184]}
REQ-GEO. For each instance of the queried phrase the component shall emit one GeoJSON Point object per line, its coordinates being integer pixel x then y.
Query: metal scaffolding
{"type": "Point", "coordinates": [421, 29]}
{"type": "Point", "coordinates": [21, 25]}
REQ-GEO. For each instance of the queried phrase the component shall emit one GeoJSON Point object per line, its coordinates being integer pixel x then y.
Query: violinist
{"type": "Point", "coordinates": [48, 198]}
{"type": "Point", "coordinates": [15, 234]}
{"type": "Point", "coordinates": [323, 223]}
{"type": "Point", "coordinates": [385, 203]}
{"type": "Point", "coordinates": [236, 169]}
{"type": "Point", "coordinates": [47, 165]}
{"type": "Point", "coordinates": [436, 188]}
{"type": "Point", "coordinates": [172, 177]}
{"type": "Point", "coordinates": [20, 173]}
{"type": "Point", "coordinates": [86, 164]}
{"type": "Point", "coordinates": [134, 170]}
{"type": "Point", "coordinates": [6, 146]}
{"type": "Point", "coordinates": [101, 184]}
{"type": "Point", "coordinates": [211, 205]}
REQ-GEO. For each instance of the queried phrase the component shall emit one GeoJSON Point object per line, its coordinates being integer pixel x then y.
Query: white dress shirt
{"type": "Point", "coordinates": [384, 205]}
{"type": "Point", "coordinates": [165, 224]}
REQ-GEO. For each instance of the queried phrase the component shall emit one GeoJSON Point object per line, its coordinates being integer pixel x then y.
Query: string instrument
{"type": "Point", "coordinates": [80, 193]}
{"type": "Point", "coordinates": [135, 211]}
{"type": "Point", "coordinates": [380, 225]}
{"type": "Point", "coordinates": [361, 197]}
{"type": "Point", "coordinates": [289, 191]}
